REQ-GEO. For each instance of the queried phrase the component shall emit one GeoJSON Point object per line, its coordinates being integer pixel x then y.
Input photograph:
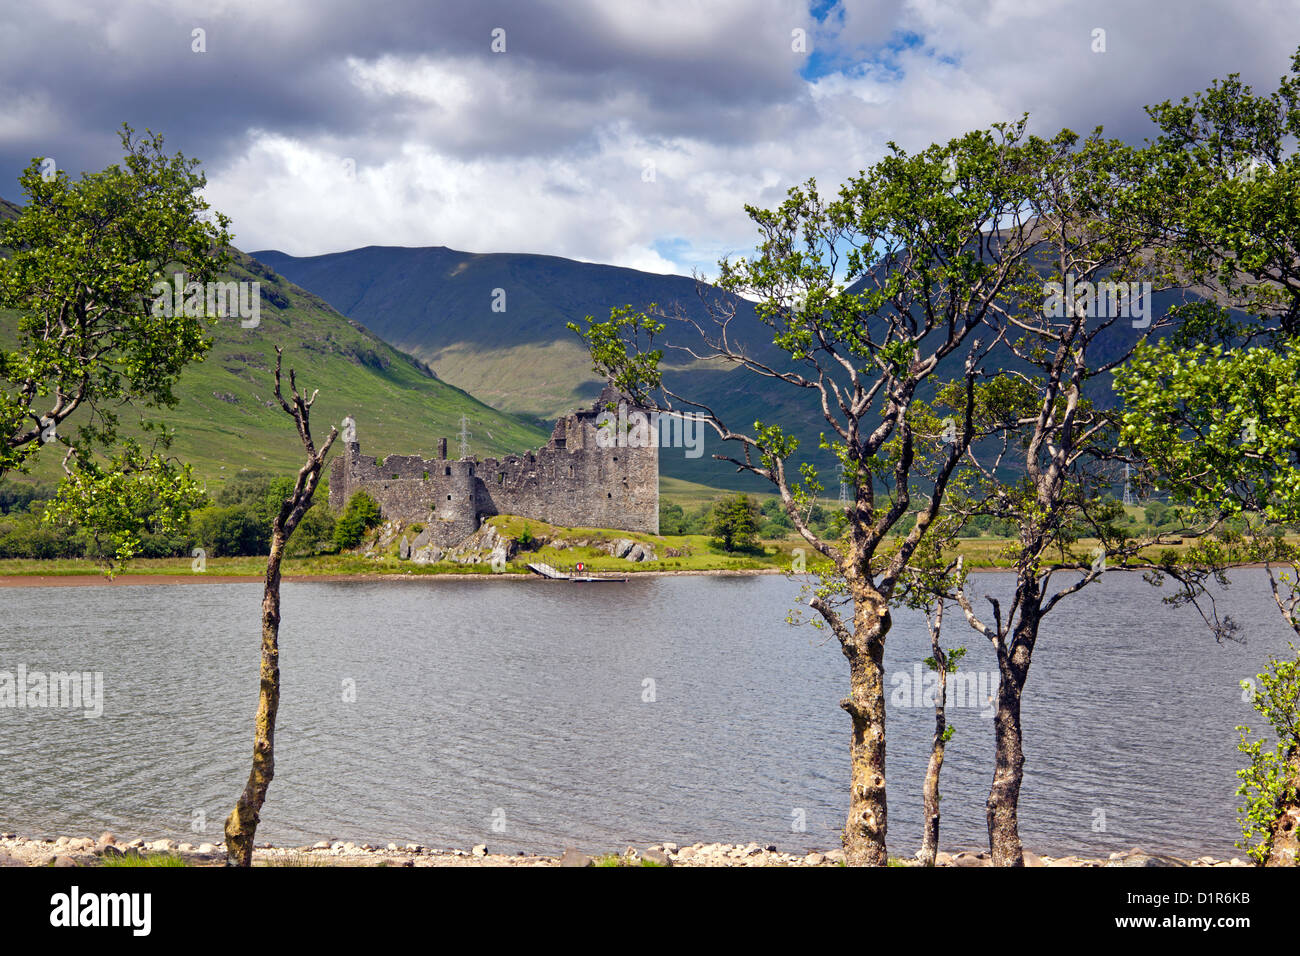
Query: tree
{"type": "Point", "coordinates": [136, 495]}
{"type": "Point", "coordinates": [1216, 410]}
{"type": "Point", "coordinates": [735, 522]}
{"type": "Point", "coordinates": [925, 587]}
{"type": "Point", "coordinates": [1270, 785]}
{"type": "Point", "coordinates": [241, 825]}
{"type": "Point", "coordinates": [864, 296]}
{"type": "Point", "coordinates": [1052, 470]}
{"type": "Point", "coordinates": [82, 261]}
{"type": "Point", "coordinates": [360, 514]}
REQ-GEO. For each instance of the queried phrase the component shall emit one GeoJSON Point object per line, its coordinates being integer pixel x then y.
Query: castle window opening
{"type": "Point", "coordinates": [448, 470]}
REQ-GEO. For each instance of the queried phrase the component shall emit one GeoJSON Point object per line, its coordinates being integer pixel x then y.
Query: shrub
{"type": "Point", "coordinates": [359, 515]}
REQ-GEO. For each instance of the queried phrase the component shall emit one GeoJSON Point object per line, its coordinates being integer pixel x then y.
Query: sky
{"type": "Point", "coordinates": [630, 132]}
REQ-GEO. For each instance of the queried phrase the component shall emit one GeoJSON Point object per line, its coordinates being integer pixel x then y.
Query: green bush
{"type": "Point", "coordinates": [1269, 784]}
{"type": "Point", "coordinates": [315, 533]}
{"type": "Point", "coordinates": [359, 515]}
{"type": "Point", "coordinates": [230, 530]}
{"type": "Point", "coordinates": [735, 523]}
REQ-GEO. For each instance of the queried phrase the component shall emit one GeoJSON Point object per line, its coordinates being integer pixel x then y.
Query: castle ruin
{"type": "Point", "coordinates": [576, 480]}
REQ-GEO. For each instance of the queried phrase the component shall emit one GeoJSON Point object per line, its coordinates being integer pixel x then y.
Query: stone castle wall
{"type": "Point", "coordinates": [571, 481]}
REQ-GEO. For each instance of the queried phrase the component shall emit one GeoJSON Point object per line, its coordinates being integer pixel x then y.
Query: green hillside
{"type": "Point", "coordinates": [437, 304]}
{"type": "Point", "coordinates": [228, 419]}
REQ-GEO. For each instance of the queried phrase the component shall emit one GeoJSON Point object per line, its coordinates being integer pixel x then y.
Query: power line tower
{"type": "Point", "coordinates": [464, 436]}
{"type": "Point", "coordinates": [1128, 488]}
{"type": "Point", "coordinates": [844, 488]}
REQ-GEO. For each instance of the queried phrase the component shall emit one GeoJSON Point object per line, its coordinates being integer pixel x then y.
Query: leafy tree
{"type": "Point", "coordinates": [316, 531]}
{"type": "Point", "coordinates": [81, 261]}
{"type": "Point", "coordinates": [15, 496]}
{"type": "Point", "coordinates": [1216, 410]}
{"type": "Point", "coordinates": [1156, 513]}
{"type": "Point", "coordinates": [924, 588]}
{"type": "Point", "coordinates": [735, 523]}
{"type": "Point", "coordinates": [83, 257]}
{"type": "Point", "coordinates": [1050, 472]}
{"type": "Point", "coordinates": [360, 514]}
{"type": "Point", "coordinates": [1270, 785]}
{"type": "Point", "coordinates": [672, 518]}
{"type": "Point", "coordinates": [864, 295]}
{"type": "Point", "coordinates": [134, 495]}
{"type": "Point", "coordinates": [231, 530]}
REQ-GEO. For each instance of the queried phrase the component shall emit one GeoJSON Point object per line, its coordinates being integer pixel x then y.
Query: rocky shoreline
{"type": "Point", "coordinates": [86, 851]}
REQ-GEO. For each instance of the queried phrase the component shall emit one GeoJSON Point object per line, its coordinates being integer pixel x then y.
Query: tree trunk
{"type": "Point", "coordinates": [864, 833]}
{"type": "Point", "coordinates": [1004, 795]}
{"type": "Point", "coordinates": [1284, 841]}
{"type": "Point", "coordinates": [930, 795]}
{"type": "Point", "coordinates": [241, 825]}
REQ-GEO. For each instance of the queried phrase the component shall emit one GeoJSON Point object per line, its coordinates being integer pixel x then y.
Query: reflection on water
{"type": "Point", "coordinates": [678, 709]}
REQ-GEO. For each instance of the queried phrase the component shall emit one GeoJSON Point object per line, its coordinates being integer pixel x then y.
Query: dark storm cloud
{"type": "Point", "coordinates": [287, 70]}
{"type": "Point", "coordinates": [543, 148]}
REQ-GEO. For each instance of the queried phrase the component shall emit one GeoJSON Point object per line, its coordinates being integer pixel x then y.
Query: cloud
{"type": "Point", "coordinates": [630, 132]}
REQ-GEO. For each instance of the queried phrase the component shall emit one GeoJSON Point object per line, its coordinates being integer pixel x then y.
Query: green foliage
{"type": "Point", "coordinates": [231, 530]}
{"type": "Point", "coordinates": [675, 520]}
{"type": "Point", "coordinates": [83, 257]}
{"type": "Point", "coordinates": [735, 523]}
{"type": "Point", "coordinates": [360, 514]}
{"type": "Point", "coordinates": [21, 496]}
{"type": "Point", "coordinates": [148, 860]}
{"type": "Point", "coordinates": [315, 532]}
{"type": "Point", "coordinates": [120, 501]}
{"type": "Point", "coordinates": [1218, 424]}
{"type": "Point", "coordinates": [25, 535]}
{"type": "Point", "coordinates": [1270, 782]}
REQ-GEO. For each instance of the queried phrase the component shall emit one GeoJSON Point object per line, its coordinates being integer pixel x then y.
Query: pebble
{"type": "Point", "coordinates": [18, 851]}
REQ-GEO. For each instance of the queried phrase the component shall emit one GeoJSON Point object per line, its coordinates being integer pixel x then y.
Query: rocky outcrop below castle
{"type": "Point", "coordinates": [489, 545]}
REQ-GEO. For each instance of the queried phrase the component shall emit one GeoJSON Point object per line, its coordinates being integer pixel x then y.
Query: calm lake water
{"type": "Point", "coordinates": [517, 714]}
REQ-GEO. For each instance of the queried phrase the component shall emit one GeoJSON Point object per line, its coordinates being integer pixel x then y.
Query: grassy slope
{"type": "Point", "coordinates": [224, 422]}
{"type": "Point", "coordinates": [436, 303]}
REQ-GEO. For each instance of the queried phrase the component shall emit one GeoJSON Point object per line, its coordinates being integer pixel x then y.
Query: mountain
{"type": "Point", "coordinates": [438, 304]}
{"type": "Point", "coordinates": [228, 420]}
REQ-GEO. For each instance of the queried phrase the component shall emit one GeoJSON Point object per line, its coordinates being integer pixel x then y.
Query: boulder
{"type": "Point", "coordinates": [571, 857]}
{"type": "Point", "coordinates": [429, 554]}
{"type": "Point", "coordinates": [1146, 860]}
{"type": "Point", "coordinates": [619, 547]}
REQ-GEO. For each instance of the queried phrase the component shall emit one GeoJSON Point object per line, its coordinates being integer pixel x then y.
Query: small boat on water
{"type": "Point", "coordinates": [578, 577]}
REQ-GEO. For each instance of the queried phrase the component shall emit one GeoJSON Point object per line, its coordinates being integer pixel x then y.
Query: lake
{"type": "Point", "coordinates": [535, 715]}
